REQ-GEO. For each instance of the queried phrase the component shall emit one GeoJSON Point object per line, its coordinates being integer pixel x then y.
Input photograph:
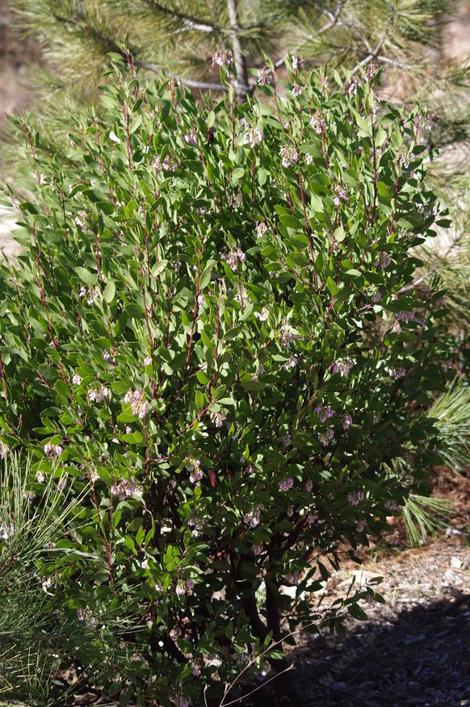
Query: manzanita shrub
{"type": "Point", "coordinates": [212, 329]}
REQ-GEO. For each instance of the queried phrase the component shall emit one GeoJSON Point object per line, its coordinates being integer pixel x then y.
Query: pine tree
{"type": "Point", "coordinates": [250, 40]}
{"type": "Point", "coordinates": [192, 38]}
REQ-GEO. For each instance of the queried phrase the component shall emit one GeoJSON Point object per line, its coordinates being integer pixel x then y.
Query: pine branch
{"type": "Point", "coordinates": [395, 62]}
{"type": "Point", "coordinates": [374, 53]}
{"type": "Point", "coordinates": [332, 22]}
{"type": "Point", "coordinates": [242, 87]}
{"type": "Point", "coordinates": [202, 85]}
{"type": "Point", "coordinates": [80, 23]}
{"type": "Point", "coordinates": [189, 21]}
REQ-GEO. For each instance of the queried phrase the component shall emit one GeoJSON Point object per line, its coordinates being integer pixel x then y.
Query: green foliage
{"type": "Point", "coordinates": [31, 635]}
{"type": "Point", "coordinates": [424, 516]}
{"type": "Point", "coordinates": [451, 415]}
{"type": "Point", "coordinates": [189, 39]}
{"type": "Point", "coordinates": [182, 36]}
{"type": "Point", "coordinates": [211, 325]}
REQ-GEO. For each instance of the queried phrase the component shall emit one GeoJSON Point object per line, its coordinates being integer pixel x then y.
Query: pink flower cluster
{"type": "Point", "coordinates": [222, 57]}
{"type": "Point", "coordinates": [139, 406]}
{"type": "Point", "coordinates": [265, 77]}
{"type": "Point", "coordinates": [126, 488]}
{"type": "Point", "coordinates": [164, 165]}
{"type": "Point", "coordinates": [263, 315]}
{"type": "Point", "coordinates": [404, 316]}
{"type": "Point", "coordinates": [383, 261]}
{"type": "Point", "coordinates": [97, 395]}
{"type": "Point", "coordinates": [350, 87]}
{"type": "Point", "coordinates": [326, 437]}
{"type": "Point", "coordinates": [252, 137]}
{"type": "Point", "coordinates": [52, 450]}
{"type": "Point", "coordinates": [286, 484]}
{"type": "Point", "coordinates": [356, 497]}
{"type": "Point", "coordinates": [191, 137]}
{"type": "Point", "coordinates": [342, 366]}
{"type": "Point", "coordinates": [194, 467]}
{"type": "Point", "coordinates": [289, 156]}
{"type": "Point", "coordinates": [6, 531]}
{"type": "Point", "coordinates": [218, 418]}
{"type": "Point", "coordinates": [297, 62]}
{"type": "Point", "coordinates": [253, 519]}
{"type": "Point", "coordinates": [317, 123]}
{"type": "Point", "coordinates": [324, 412]}
{"type": "Point", "coordinates": [347, 421]}
{"type": "Point", "coordinates": [288, 336]}
{"type": "Point", "coordinates": [291, 362]}
{"type": "Point", "coordinates": [234, 258]}
{"type": "Point", "coordinates": [91, 294]}
{"type": "Point", "coordinates": [340, 195]}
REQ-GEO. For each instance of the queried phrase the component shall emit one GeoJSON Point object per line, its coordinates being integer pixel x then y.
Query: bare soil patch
{"type": "Point", "coordinates": [414, 649]}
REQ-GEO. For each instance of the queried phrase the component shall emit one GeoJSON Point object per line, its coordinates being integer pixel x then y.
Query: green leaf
{"type": "Point", "coordinates": [210, 120]}
{"type": "Point", "coordinates": [253, 385]}
{"type": "Point", "coordinates": [316, 203]}
{"type": "Point", "coordinates": [287, 219]}
{"type": "Point", "coordinates": [325, 575]}
{"type": "Point", "coordinates": [331, 285]}
{"type": "Point", "coordinates": [133, 437]}
{"type": "Point", "coordinates": [126, 416]}
{"type": "Point", "coordinates": [358, 613]}
{"type": "Point", "coordinates": [364, 124]}
{"type": "Point", "coordinates": [202, 378]}
{"type": "Point", "coordinates": [135, 124]}
{"type": "Point", "coordinates": [86, 276]}
{"type": "Point", "coordinates": [262, 176]}
{"type": "Point", "coordinates": [206, 274]}
{"type": "Point", "coordinates": [199, 399]}
{"type": "Point", "coordinates": [28, 206]}
{"type": "Point", "coordinates": [237, 174]}
{"type": "Point", "coordinates": [226, 401]}
{"type": "Point", "coordinates": [383, 191]}
{"type": "Point", "coordinates": [159, 267]}
{"type": "Point", "coordinates": [109, 292]}
{"type": "Point", "coordinates": [140, 536]}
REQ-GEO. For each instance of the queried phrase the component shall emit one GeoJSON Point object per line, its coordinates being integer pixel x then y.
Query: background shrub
{"type": "Point", "coordinates": [211, 329]}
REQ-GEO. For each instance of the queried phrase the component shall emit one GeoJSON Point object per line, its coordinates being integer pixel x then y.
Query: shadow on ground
{"type": "Point", "coordinates": [420, 657]}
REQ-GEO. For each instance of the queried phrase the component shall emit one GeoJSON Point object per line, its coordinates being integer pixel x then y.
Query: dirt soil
{"type": "Point", "coordinates": [414, 649]}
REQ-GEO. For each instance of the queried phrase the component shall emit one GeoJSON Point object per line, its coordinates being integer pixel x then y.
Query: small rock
{"type": "Point", "coordinates": [451, 577]}
{"type": "Point", "coordinates": [453, 531]}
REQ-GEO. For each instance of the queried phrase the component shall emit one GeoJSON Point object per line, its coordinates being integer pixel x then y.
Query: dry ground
{"type": "Point", "coordinates": [415, 648]}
